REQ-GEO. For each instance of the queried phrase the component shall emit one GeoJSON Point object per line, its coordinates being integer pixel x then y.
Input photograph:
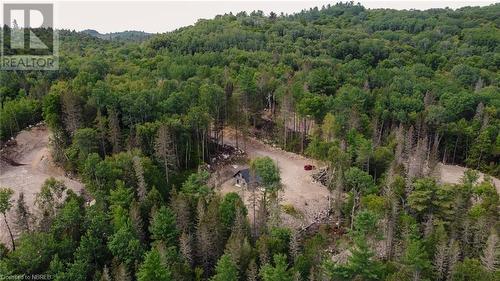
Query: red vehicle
{"type": "Point", "coordinates": [308, 167]}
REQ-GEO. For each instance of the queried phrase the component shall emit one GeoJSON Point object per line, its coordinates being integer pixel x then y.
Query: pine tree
{"type": "Point", "coordinates": [163, 228]}
{"type": "Point", "coordinates": [153, 269]}
{"type": "Point", "coordinates": [225, 270]}
{"type": "Point", "coordinates": [208, 233]}
{"type": "Point", "coordinates": [114, 130]}
{"type": "Point", "coordinates": [252, 273]}
{"type": "Point", "coordinates": [239, 249]}
{"type": "Point", "coordinates": [361, 264]}
{"type": "Point", "coordinates": [441, 259]}
{"type": "Point", "coordinates": [185, 247]}
{"type": "Point", "coordinates": [22, 215]}
{"type": "Point", "coordinates": [121, 273]}
{"type": "Point", "coordinates": [101, 124]}
{"type": "Point", "coordinates": [137, 221]}
{"type": "Point", "coordinates": [274, 219]}
{"type": "Point", "coordinates": [263, 249]}
{"type": "Point", "coordinates": [105, 276]}
{"type": "Point", "coordinates": [139, 174]}
{"type": "Point", "coordinates": [278, 272]}
{"type": "Point", "coordinates": [453, 257]}
{"type": "Point", "coordinates": [491, 253]}
{"type": "Point", "coordinates": [415, 259]}
{"type": "Point", "coordinates": [5, 206]}
{"type": "Point", "coordinates": [72, 111]}
{"type": "Point", "coordinates": [479, 150]}
{"type": "Point", "coordinates": [164, 149]}
{"type": "Point", "coordinates": [180, 206]}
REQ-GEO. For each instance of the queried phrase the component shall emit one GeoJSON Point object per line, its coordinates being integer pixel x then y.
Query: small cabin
{"type": "Point", "coordinates": [245, 178]}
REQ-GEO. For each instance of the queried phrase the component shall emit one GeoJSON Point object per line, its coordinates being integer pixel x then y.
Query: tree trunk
{"type": "Point", "coordinates": [166, 168]}
{"type": "Point", "coordinates": [353, 210]}
{"type": "Point", "coordinates": [10, 232]}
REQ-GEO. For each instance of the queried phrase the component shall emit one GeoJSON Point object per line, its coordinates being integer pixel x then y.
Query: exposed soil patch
{"type": "Point", "coordinates": [25, 164]}
{"type": "Point", "coordinates": [453, 174]}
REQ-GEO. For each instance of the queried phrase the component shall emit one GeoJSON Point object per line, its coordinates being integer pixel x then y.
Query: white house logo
{"type": "Point", "coordinates": [29, 40]}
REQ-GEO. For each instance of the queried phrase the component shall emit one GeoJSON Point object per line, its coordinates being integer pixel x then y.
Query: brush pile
{"type": "Point", "coordinates": [323, 176]}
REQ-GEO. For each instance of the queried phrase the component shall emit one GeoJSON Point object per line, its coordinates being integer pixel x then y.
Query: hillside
{"type": "Point", "coordinates": [129, 35]}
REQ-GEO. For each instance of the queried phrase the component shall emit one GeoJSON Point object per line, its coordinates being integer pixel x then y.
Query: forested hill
{"type": "Point", "coordinates": [420, 67]}
{"type": "Point", "coordinates": [129, 35]}
{"type": "Point", "coordinates": [379, 96]}
{"type": "Point", "coordinates": [339, 30]}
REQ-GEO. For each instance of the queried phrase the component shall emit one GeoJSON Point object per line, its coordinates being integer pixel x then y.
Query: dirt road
{"type": "Point", "coordinates": [33, 153]}
{"type": "Point", "coordinates": [307, 197]}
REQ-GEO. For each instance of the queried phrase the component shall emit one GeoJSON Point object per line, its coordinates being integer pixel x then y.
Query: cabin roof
{"type": "Point", "coordinates": [246, 174]}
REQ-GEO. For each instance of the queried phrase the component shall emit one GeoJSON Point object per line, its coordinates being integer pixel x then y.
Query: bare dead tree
{"type": "Point", "coordinates": [114, 134]}
{"type": "Point", "coordinates": [23, 216]}
{"type": "Point", "coordinates": [139, 174]}
{"type": "Point", "coordinates": [137, 222]}
{"type": "Point", "coordinates": [441, 259]}
{"type": "Point", "coordinates": [101, 125]}
{"type": "Point", "coordinates": [391, 213]}
{"type": "Point", "coordinates": [491, 253]}
{"type": "Point", "coordinates": [72, 112]}
{"type": "Point", "coordinates": [453, 256]}
{"type": "Point", "coordinates": [164, 149]}
{"type": "Point", "coordinates": [180, 206]}
{"type": "Point", "coordinates": [185, 247]}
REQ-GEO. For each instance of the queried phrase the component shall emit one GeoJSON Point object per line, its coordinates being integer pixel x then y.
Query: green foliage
{"type": "Point", "coordinates": [361, 265]}
{"type": "Point", "coordinates": [22, 259]}
{"type": "Point", "coordinates": [195, 185]}
{"type": "Point", "coordinates": [225, 270]}
{"type": "Point", "coordinates": [428, 197]}
{"type": "Point", "coordinates": [361, 181]}
{"type": "Point", "coordinates": [17, 114]}
{"type": "Point", "coordinates": [267, 171]}
{"type": "Point", "coordinates": [163, 226]}
{"type": "Point", "coordinates": [278, 272]}
{"type": "Point", "coordinates": [368, 92]}
{"type": "Point", "coordinates": [5, 199]}
{"type": "Point", "coordinates": [228, 208]}
{"type": "Point", "coordinates": [471, 269]}
{"type": "Point", "coordinates": [416, 258]}
{"type": "Point", "coordinates": [125, 245]}
{"type": "Point", "coordinates": [153, 268]}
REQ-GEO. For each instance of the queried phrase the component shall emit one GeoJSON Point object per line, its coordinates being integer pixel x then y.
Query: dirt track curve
{"type": "Point", "coordinates": [25, 165]}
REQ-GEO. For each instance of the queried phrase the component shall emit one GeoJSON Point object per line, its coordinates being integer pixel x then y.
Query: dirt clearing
{"type": "Point", "coordinates": [453, 174]}
{"type": "Point", "coordinates": [25, 165]}
{"type": "Point", "coordinates": [309, 199]}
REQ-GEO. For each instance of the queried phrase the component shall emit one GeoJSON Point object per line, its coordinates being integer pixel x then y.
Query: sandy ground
{"type": "Point", "coordinates": [32, 150]}
{"type": "Point", "coordinates": [307, 197]}
{"type": "Point", "coordinates": [453, 174]}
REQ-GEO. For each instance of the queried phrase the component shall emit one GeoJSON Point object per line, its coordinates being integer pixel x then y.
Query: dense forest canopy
{"type": "Point", "coordinates": [380, 96]}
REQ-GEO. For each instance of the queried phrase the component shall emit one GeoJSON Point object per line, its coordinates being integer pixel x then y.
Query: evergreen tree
{"type": "Point", "coordinates": [23, 215]}
{"type": "Point", "coordinates": [225, 270]}
{"type": "Point", "coordinates": [415, 258]}
{"type": "Point", "coordinates": [163, 226]}
{"type": "Point", "coordinates": [491, 253]}
{"type": "Point", "coordinates": [153, 269]}
{"type": "Point", "coordinates": [278, 272]}
{"type": "Point", "coordinates": [5, 206]}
